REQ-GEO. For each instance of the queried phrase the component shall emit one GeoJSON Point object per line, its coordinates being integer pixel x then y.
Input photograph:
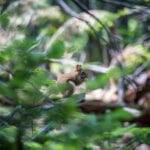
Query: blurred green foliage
{"type": "Point", "coordinates": [27, 80]}
{"type": "Point", "coordinates": [4, 20]}
{"type": "Point", "coordinates": [57, 50]}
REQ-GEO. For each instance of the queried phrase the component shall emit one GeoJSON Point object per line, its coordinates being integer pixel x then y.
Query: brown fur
{"type": "Point", "coordinates": [77, 76]}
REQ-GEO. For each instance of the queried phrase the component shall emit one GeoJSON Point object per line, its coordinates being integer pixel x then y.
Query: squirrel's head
{"type": "Point", "coordinates": [81, 74]}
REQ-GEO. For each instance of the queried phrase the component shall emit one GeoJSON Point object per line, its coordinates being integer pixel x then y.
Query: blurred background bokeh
{"type": "Point", "coordinates": [41, 39]}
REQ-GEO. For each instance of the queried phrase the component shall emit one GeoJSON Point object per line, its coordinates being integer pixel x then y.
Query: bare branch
{"type": "Point", "coordinates": [72, 13]}
{"type": "Point", "coordinates": [93, 68]}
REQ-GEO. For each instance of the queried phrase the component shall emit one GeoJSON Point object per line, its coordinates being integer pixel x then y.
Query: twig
{"type": "Point", "coordinates": [6, 120]}
{"type": "Point", "coordinates": [6, 101]}
{"type": "Point", "coordinates": [83, 7]}
{"type": "Point", "coordinates": [140, 69]}
{"type": "Point", "coordinates": [94, 68]}
{"type": "Point", "coordinates": [128, 5]}
{"type": "Point", "coordinates": [72, 13]}
{"type": "Point", "coordinates": [45, 129]}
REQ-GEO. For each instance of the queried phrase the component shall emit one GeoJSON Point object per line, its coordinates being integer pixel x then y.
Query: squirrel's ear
{"type": "Point", "coordinates": [78, 67]}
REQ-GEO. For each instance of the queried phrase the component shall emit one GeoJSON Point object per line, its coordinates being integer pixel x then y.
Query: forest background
{"type": "Point", "coordinates": [40, 40]}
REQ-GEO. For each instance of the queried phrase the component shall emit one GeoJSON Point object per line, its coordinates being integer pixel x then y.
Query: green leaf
{"type": "Point", "coordinates": [24, 44]}
{"type": "Point", "coordinates": [57, 49]}
{"type": "Point", "coordinates": [121, 115]}
{"type": "Point", "coordinates": [102, 80]}
{"type": "Point", "coordinates": [122, 131]}
{"type": "Point", "coordinates": [8, 138]}
{"type": "Point", "coordinates": [4, 20]}
{"type": "Point", "coordinates": [32, 146]}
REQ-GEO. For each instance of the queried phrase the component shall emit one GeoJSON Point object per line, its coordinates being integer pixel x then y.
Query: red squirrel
{"type": "Point", "coordinates": [71, 80]}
